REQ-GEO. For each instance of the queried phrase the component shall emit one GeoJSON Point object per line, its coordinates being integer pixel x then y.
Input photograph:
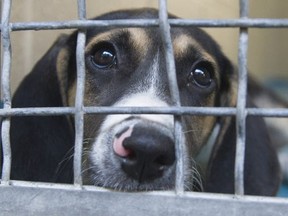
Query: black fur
{"type": "Point", "coordinates": [39, 144]}
{"type": "Point", "coordinates": [260, 161]}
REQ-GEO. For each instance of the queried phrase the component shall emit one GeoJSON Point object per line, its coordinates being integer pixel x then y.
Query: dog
{"type": "Point", "coordinates": [125, 67]}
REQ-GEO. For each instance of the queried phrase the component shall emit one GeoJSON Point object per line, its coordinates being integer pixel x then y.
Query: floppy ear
{"type": "Point", "coordinates": [262, 173]}
{"type": "Point", "coordinates": [40, 143]}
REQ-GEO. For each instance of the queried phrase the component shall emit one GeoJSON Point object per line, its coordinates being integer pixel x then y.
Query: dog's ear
{"type": "Point", "coordinates": [39, 142]}
{"type": "Point", "coordinates": [47, 83]}
{"type": "Point", "coordinates": [262, 173]}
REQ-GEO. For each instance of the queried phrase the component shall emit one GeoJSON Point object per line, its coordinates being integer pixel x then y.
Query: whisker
{"type": "Point", "coordinates": [69, 156]}
{"type": "Point", "coordinates": [193, 131]}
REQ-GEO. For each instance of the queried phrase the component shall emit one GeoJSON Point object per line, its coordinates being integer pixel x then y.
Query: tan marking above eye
{"type": "Point", "coordinates": [139, 38]}
{"type": "Point", "coordinates": [183, 42]}
{"type": "Point", "coordinates": [141, 41]}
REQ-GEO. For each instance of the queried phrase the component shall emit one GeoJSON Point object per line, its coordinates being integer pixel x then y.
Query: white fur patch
{"type": "Point", "coordinates": [145, 98]}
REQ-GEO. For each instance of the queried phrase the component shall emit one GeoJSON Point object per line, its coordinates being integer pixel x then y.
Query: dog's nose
{"type": "Point", "coordinates": [145, 151]}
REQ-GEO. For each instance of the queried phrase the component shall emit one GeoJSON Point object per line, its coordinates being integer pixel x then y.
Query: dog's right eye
{"type": "Point", "coordinates": [201, 75]}
{"type": "Point", "coordinates": [104, 56]}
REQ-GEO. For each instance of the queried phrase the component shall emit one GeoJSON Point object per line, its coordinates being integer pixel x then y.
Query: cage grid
{"type": "Point", "coordinates": [33, 198]}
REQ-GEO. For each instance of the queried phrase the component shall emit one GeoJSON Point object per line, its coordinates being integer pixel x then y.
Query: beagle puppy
{"type": "Point", "coordinates": [125, 67]}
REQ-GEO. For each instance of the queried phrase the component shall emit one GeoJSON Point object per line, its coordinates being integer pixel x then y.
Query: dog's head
{"type": "Point", "coordinates": [125, 67]}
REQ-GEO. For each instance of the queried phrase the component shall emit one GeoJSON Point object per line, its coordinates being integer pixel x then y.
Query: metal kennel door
{"type": "Point", "coordinates": [31, 198]}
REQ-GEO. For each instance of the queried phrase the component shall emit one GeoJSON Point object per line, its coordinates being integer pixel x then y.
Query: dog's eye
{"type": "Point", "coordinates": [104, 56]}
{"type": "Point", "coordinates": [201, 76]}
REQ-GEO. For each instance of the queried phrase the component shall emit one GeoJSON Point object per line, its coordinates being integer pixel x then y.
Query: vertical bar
{"type": "Point", "coordinates": [174, 90]}
{"type": "Point", "coordinates": [241, 102]}
{"type": "Point", "coordinates": [79, 115]}
{"type": "Point", "coordinates": [0, 88]}
{"type": "Point", "coordinates": [6, 95]}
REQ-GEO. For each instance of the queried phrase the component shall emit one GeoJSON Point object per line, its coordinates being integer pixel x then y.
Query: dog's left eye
{"type": "Point", "coordinates": [104, 57]}
{"type": "Point", "coordinates": [201, 76]}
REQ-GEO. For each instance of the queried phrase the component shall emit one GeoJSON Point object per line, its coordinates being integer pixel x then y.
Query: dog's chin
{"type": "Point", "coordinates": [119, 181]}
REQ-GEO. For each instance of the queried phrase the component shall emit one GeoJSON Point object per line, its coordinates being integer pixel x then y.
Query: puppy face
{"type": "Point", "coordinates": [125, 67]}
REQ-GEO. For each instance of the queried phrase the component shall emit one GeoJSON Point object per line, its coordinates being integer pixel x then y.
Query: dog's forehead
{"type": "Point", "coordinates": [143, 39]}
{"type": "Point", "coordinates": [137, 37]}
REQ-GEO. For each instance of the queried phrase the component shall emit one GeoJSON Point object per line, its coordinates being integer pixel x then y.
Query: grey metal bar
{"type": "Point", "coordinates": [79, 115]}
{"type": "Point", "coordinates": [52, 202]}
{"type": "Point", "coordinates": [231, 23]}
{"type": "Point", "coordinates": [244, 9]}
{"type": "Point", "coordinates": [0, 90]}
{"type": "Point", "coordinates": [6, 95]}
{"type": "Point", "coordinates": [209, 23]}
{"type": "Point", "coordinates": [169, 54]}
{"type": "Point", "coordinates": [174, 91]}
{"type": "Point", "coordinates": [217, 111]}
{"type": "Point", "coordinates": [37, 111]}
{"type": "Point", "coordinates": [267, 112]}
{"type": "Point", "coordinates": [241, 102]}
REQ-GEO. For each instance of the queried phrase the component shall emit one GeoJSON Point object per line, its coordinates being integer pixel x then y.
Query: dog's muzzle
{"type": "Point", "coordinates": [136, 153]}
{"type": "Point", "coordinates": [145, 151]}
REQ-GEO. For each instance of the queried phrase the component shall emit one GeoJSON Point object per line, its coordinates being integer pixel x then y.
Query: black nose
{"type": "Point", "coordinates": [149, 153]}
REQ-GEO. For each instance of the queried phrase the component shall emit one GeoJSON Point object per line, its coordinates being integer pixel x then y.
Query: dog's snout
{"type": "Point", "coordinates": [145, 152]}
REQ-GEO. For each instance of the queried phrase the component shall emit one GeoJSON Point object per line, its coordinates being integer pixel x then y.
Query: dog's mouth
{"type": "Point", "coordinates": [134, 155]}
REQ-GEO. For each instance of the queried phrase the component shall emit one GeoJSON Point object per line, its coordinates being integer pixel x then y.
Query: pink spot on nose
{"type": "Point", "coordinates": [118, 147]}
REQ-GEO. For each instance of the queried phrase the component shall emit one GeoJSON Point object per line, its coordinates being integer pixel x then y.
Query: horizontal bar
{"type": "Point", "coordinates": [217, 111]}
{"type": "Point", "coordinates": [223, 23]}
{"type": "Point", "coordinates": [236, 23]}
{"type": "Point", "coordinates": [267, 112]}
{"type": "Point", "coordinates": [52, 201]}
{"type": "Point", "coordinates": [76, 24]}
{"type": "Point", "coordinates": [47, 111]}
{"type": "Point", "coordinates": [35, 111]}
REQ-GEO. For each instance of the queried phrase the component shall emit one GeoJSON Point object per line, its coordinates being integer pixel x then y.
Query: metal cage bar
{"type": "Point", "coordinates": [175, 96]}
{"type": "Point", "coordinates": [223, 111]}
{"type": "Point", "coordinates": [219, 23]}
{"type": "Point", "coordinates": [90, 202]}
{"type": "Point", "coordinates": [152, 202]}
{"type": "Point", "coordinates": [79, 114]}
{"type": "Point", "coordinates": [241, 102]}
{"type": "Point", "coordinates": [6, 95]}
